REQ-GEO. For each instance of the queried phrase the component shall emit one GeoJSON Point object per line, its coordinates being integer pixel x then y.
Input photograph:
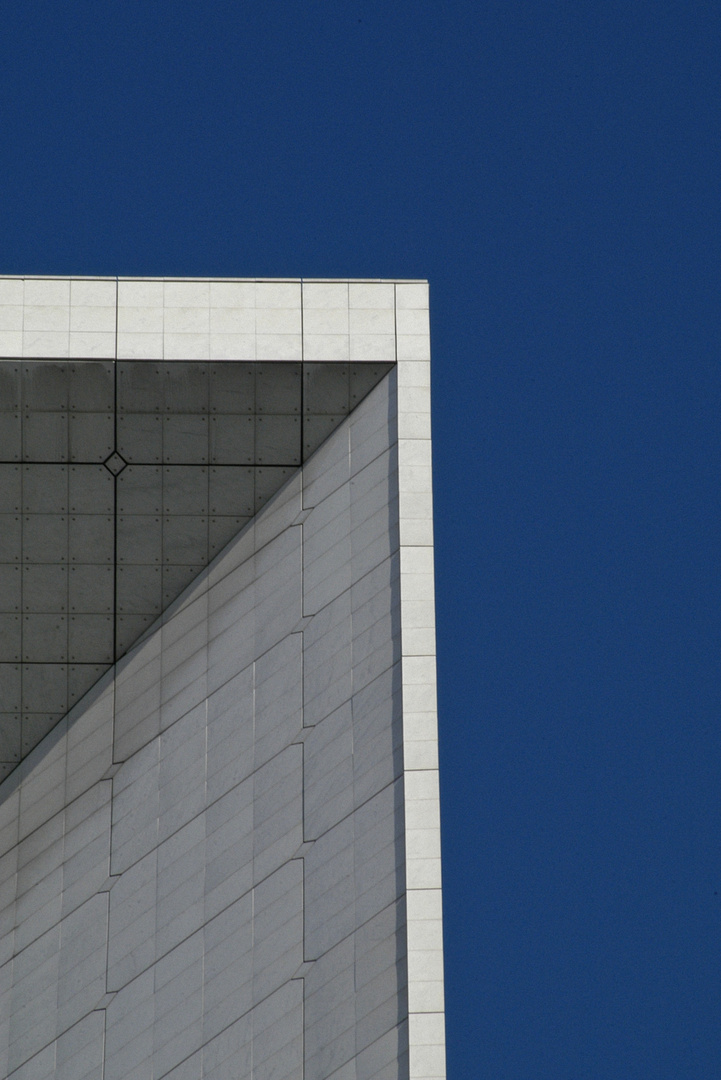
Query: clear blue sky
{"type": "Point", "coordinates": [553, 169]}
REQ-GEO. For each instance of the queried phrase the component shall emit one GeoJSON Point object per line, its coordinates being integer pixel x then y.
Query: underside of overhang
{"type": "Point", "coordinates": [119, 482]}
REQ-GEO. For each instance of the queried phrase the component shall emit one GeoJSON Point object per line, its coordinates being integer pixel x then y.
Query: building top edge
{"type": "Point", "coordinates": [110, 277]}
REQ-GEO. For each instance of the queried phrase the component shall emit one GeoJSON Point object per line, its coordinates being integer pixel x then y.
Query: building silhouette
{"type": "Point", "coordinates": [219, 827]}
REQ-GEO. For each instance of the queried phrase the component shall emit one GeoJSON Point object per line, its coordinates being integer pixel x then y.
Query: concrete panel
{"type": "Point", "coordinates": [327, 469]}
{"type": "Point", "coordinates": [33, 999]}
{"type": "Point", "coordinates": [129, 1030]}
{"type": "Point", "coordinates": [278, 697]}
{"type": "Point", "coordinates": [380, 761]}
{"type": "Point", "coordinates": [277, 929]}
{"type": "Point", "coordinates": [328, 773]}
{"type": "Point", "coordinates": [10, 736]}
{"type": "Point", "coordinates": [135, 808]}
{"type": "Point", "coordinates": [230, 1054]}
{"type": "Point", "coordinates": [329, 890]}
{"type": "Point", "coordinates": [229, 849]}
{"type": "Point", "coordinates": [326, 389]}
{"type": "Point", "coordinates": [180, 891]}
{"type": "Point", "coordinates": [131, 937]}
{"type": "Point", "coordinates": [228, 967]}
{"type": "Point", "coordinates": [137, 700]}
{"type": "Point", "coordinates": [86, 852]}
{"type": "Point", "coordinates": [327, 660]}
{"type": "Point", "coordinates": [330, 1011]}
{"type": "Point", "coordinates": [79, 1050]}
{"type": "Point", "coordinates": [277, 811]}
{"type": "Point", "coordinates": [43, 787]}
{"type": "Point", "coordinates": [178, 1005]}
{"type": "Point", "coordinates": [11, 436]}
{"type": "Point", "coordinates": [139, 490]}
{"type": "Point", "coordinates": [82, 960]}
{"type": "Point", "coordinates": [230, 734]}
{"type": "Point", "coordinates": [278, 1034]}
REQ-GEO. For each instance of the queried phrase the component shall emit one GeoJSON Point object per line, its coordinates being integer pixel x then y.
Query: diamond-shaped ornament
{"type": "Point", "coordinates": [115, 463]}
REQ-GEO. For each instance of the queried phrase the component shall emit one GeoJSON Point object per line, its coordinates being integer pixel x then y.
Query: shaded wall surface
{"type": "Point", "coordinates": [203, 868]}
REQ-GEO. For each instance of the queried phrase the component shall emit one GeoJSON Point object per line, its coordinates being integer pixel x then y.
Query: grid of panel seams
{"type": "Point", "coordinates": [204, 862]}
{"type": "Point", "coordinates": [119, 481]}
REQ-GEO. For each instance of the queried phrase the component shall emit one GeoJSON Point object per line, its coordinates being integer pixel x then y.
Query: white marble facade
{"type": "Point", "coordinates": [224, 862]}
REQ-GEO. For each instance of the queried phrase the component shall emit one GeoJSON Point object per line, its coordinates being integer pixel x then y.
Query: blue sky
{"type": "Point", "coordinates": [553, 169]}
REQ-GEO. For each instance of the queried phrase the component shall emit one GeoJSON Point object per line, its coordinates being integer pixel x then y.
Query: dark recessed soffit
{"type": "Point", "coordinates": [119, 482]}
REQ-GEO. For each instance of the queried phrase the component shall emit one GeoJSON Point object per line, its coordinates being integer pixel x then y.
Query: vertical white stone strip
{"type": "Point", "coordinates": [420, 745]}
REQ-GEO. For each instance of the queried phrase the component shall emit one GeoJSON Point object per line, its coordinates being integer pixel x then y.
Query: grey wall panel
{"type": "Point", "coordinates": [327, 551]}
{"type": "Point", "coordinates": [178, 1005]}
{"type": "Point", "coordinates": [180, 886]}
{"type": "Point", "coordinates": [82, 961]}
{"type": "Point", "coordinates": [131, 933]}
{"type": "Point", "coordinates": [10, 488]}
{"type": "Point", "coordinates": [327, 659]}
{"type": "Point", "coordinates": [229, 849]}
{"type": "Point", "coordinates": [230, 734]}
{"type": "Point", "coordinates": [137, 700]}
{"type": "Point", "coordinates": [328, 772]}
{"type": "Point", "coordinates": [10, 675]}
{"type": "Point", "coordinates": [228, 974]}
{"type": "Point", "coordinates": [330, 1010]}
{"type": "Point", "coordinates": [79, 1051]}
